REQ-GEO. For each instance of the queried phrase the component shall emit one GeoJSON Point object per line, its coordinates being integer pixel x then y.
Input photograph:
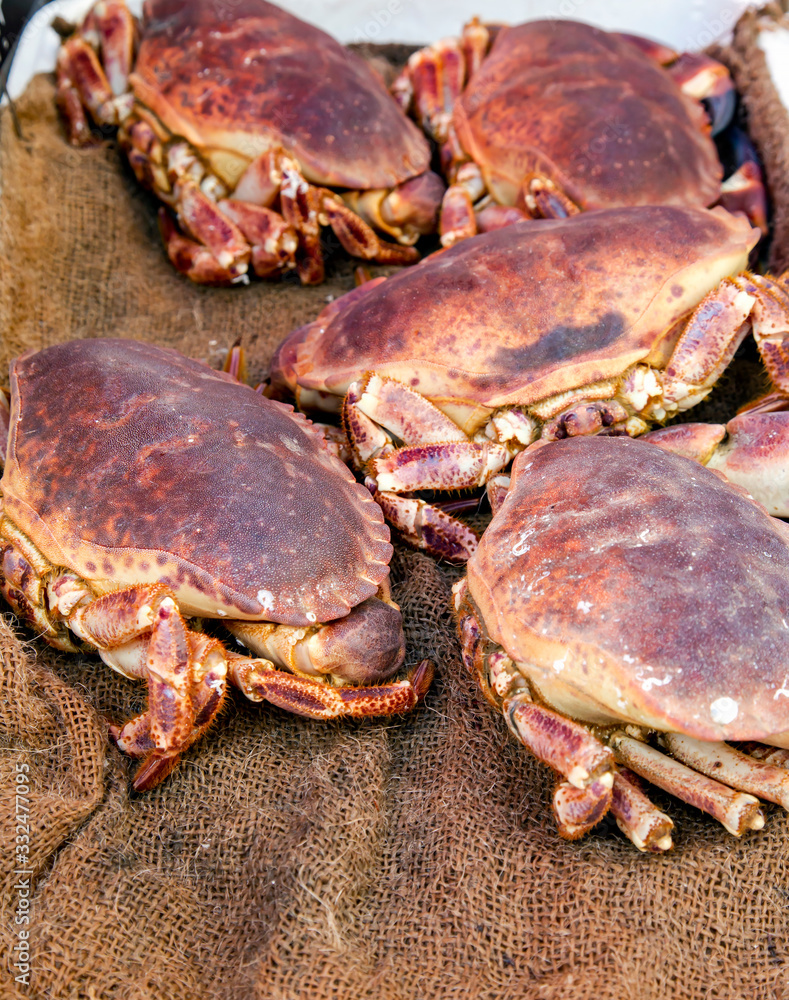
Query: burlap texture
{"type": "Point", "coordinates": [405, 859]}
{"type": "Point", "coordinates": [767, 119]}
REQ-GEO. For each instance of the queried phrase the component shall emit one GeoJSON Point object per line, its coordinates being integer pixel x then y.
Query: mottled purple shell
{"type": "Point", "coordinates": [129, 463]}
{"type": "Point", "coordinates": [587, 109]}
{"type": "Point", "coordinates": [527, 311]}
{"type": "Point", "coordinates": [643, 586]}
{"type": "Point", "coordinates": [224, 75]}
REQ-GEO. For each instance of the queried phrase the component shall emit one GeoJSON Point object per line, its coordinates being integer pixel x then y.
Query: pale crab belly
{"type": "Point", "coordinates": [569, 701]}
{"type": "Point", "coordinates": [613, 707]}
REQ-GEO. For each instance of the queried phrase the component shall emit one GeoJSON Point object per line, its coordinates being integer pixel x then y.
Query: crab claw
{"type": "Point", "coordinates": [153, 770]}
{"type": "Point", "coordinates": [134, 738]}
{"type": "Point", "coordinates": [365, 647]}
{"type": "Point", "coordinates": [744, 190]}
{"type": "Point", "coordinates": [751, 450]}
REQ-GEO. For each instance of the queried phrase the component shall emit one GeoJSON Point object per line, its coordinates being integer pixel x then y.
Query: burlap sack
{"type": "Point", "coordinates": [407, 859]}
{"type": "Point", "coordinates": [767, 118]}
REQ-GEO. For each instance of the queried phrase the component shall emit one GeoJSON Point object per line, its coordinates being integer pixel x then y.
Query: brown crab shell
{"type": "Point", "coordinates": [527, 311]}
{"type": "Point", "coordinates": [240, 79]}
{"type": "Point", "coordinates": [634, 585]}
{"type": "Point", "coordinates": [128, 463]}
{"type": "Point", "coordinates": [592, 113]}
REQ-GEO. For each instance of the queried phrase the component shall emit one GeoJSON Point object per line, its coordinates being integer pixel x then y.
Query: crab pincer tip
{"type": "Point", "coordinates": [422, 677]}
{"type": "Point", "coordinates": [153, 770]}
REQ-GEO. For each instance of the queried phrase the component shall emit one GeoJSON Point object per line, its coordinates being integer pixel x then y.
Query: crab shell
{"type": "Point", "coordinates": [588, 96]}
{"type": "Point", "coordinates": [635, 586]}
{"type": "Point", "coordinates": [526, 312]}
{"type": "Point", "coordinates": [234, 505]}
{"type": "Point", "coordinates": [289, 87]}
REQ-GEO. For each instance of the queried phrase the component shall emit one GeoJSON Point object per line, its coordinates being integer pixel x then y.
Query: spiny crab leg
{"type": "Point", "coordinates": [261, 681]}
{"type": "Point", "coordinates": [140, 632]}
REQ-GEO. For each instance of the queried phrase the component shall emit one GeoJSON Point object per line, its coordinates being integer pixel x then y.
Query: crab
{"type": "Point", "coordinates": [549, 118]}
{"type": "Point", "coordinates": [244, 120]}
{"type": "Point", "coordinates": [605, 321]}
{"type": "Point", "coordinates": [162, 490]}
{"type": "Point", "coordinates": [626, 611]}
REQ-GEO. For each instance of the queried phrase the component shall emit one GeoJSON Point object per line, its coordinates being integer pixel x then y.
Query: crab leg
{"type": "Point", "coordinates": [209, 663]}
{"type": "Point", "coordinates": [640, 821]}
{"type": "Point", "coordinates": [737, 811]}
{"type": "Point", "coordinates": [577, 810]}
{"type": "Point", "coordinates": [438, 456]}
{"type": "Point", "coordinates": [770, 320]}
{"type": "Point", "coordinates": [192, 258]}
{"type": "Point", "coordinates": [779, 756]}
{"type": "Point", "coordinates": [744, 190]}
{"type": "Point", "coordinates": [438, 453]}
{"type": "Point", "coordinates": [731, 766]}
{"type": "Point", "coordinates": [566, 746]}
{"type": "Point", "coordinates": [261, 681]}
{"type": "Point", "coordinates": [93, 68]}
{"type": "Point", "coordinates": [592, 783]}
{"type": "Point", "coordinates": [273, 241]}
{"type": "Point", "coordinates": [336, 669]}
{"type": "Point", "coordinates": [359, 239]}
{"type": "Point", "coordinates": [430, 86]}
{"type": "Point", "coordinates": [714, 332]}
{"type": "Point", "coordinates": [427, 527]}
{"type": "Point", "coordinates": [696, 74]}
{"type": "Point", "coordinates": [453, 465]}
{"type": "Point", "coordinates": [140, 632]}
{"type": "Point", "coordinates": [405, 212]}
{"type": "Point", "coordinates": [201, 218]}
{"type": "Point", "coordinates": [164, 657]}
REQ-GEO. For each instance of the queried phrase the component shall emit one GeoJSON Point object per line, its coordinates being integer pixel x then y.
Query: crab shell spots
{"type": "Point", "coordinates": [259, 79]}
{"type": "Point", "coordinates": [533, 309]}
{"type": "Point", "coordinates": [607, 125]}
{"type": "Point", "coordinates": [636, 585]}
{"type": "Point", "coordinates": [129, 463]}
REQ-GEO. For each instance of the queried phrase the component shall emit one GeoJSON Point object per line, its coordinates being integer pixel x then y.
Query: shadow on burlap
{"type": "Point", "coordinates": [413, 857]}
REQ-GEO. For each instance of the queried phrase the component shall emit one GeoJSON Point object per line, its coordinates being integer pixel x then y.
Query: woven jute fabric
{"type": "Point", "coordinates": [767, 118]}
{"type": "Point", "coordinates": [409, 858]}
